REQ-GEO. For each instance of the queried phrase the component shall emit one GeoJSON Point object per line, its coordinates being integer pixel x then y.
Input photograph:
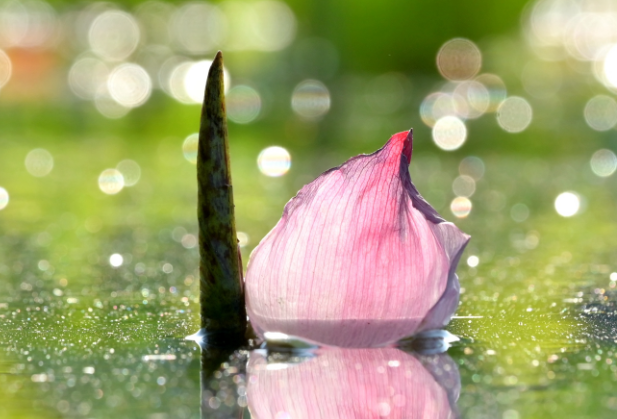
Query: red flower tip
{"type": "Point", "coordinates": [403, 143]}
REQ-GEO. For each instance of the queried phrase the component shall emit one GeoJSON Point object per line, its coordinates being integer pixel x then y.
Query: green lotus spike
{"type": "Point", "coordinates": [223, 311]}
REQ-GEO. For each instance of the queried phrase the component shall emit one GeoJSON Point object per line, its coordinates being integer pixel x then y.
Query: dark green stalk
{"type": "Point", "coordinates": [221, 288]}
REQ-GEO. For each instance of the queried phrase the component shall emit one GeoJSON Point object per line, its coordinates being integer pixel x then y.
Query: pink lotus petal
{"type": "Point", "coordinates": [358, 259]}
{"type": "Point", "coordinates": [355, 384]}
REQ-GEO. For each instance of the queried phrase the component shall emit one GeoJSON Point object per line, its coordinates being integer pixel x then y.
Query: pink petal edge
{"type": "Point", "coordinates": [358, 259]}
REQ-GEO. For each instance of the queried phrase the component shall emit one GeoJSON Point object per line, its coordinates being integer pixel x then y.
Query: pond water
{"type": "Point", "coordinates": [98, 293]}
{"type": "Point", "coordinates": [514, 141]}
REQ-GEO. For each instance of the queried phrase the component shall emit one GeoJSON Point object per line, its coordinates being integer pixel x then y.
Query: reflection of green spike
{"type": "Point", "coordinates": [221, 287]}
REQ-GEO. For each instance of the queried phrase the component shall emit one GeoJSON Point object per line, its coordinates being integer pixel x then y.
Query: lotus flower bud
{"type": "Point", "coordinates": [358, 259]}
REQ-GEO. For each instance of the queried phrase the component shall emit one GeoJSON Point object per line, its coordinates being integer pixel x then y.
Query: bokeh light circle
{"type": "Point", "coordinates": [601, 113]}
{"type": "Point", "coordinates": [464, 186]}
{"type": "Point", "coordinates": [472, 166]}
{"type": "Point", "coordinates": [195, 80]}
{"type": "Point", "coordinates": [189, 241]}
{"type": "Point", "coordinates": [459, 59]}
{"type": "Point", "coordinates": [519, 212]}
{"type": "Point", "coordinates": [39, 162]}
{"type": "Point", "coordinates": [473, 261]}
{"type": "Point", "coordinates": [198, 27]}
{"type": "Point", "coordinates": [610, 66]}
{"type": "Point", "coordinates": [567, 204]}
{"type": "Point", "coordinates": [6, 68]}
{"type": "Point", "coordinates": [514, 114]}
{"type": "Point", "coordinates": [460, 207]}
{"type": "Point", "coordinates": [310, 99]}
{"type": "Point", "coordinates": [588, 33]}
{"type": "Point", "coordinates": [435, 106]}
{"type": "Point", "coordinates": [190, 147]}
{"type": "Point", "coordinates": [131, 172]}
{"type": "Point", "coordinates": [274, 26]}
{"type": "Point", "coordinates": [496, 90]}
{"type": "Point", "coordinates": [107, 106]}
{"type": "Point", "coordinates": [243, 104]}
{"type": "Point", "coordinates": [129, 85]}
{"type": "Point", "coordinates": [116, 260]}
{"type": "Point", "coordinates": [114, 35]}
{"type": "Point", "coordinates": [86, 77]}
{"type": "Point", "coordinates": [603, 163]}
{"type": "Point", "coordinates": [476, 95]}
{"type": "Point", "coordinates": [28, 24]}
{"type": "Point", "coordinates": [274, 161]}
{"type": "Point", "coordinates": [4, 198]}
{"type": "Point", "coordinates": [194, 76]}
{"type": "Point", "coordinates": [449, 133]}
{"type": "Point", "coordinates": [111, 181]}
{"type": "Point", "coordinates": [243, 239]}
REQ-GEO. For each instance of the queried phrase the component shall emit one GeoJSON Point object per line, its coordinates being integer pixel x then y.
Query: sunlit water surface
{"type": "Point", "coordinates": [98, 292]}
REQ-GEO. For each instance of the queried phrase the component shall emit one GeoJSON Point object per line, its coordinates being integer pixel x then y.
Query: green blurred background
{"type": "Point", "coordinates": [513, 106]}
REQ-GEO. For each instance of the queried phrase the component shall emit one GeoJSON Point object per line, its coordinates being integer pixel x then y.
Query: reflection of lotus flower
{"type": "Point", "coordinates": [354, 383]}
{"type": "Point", "coordinates": [358, 259]}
